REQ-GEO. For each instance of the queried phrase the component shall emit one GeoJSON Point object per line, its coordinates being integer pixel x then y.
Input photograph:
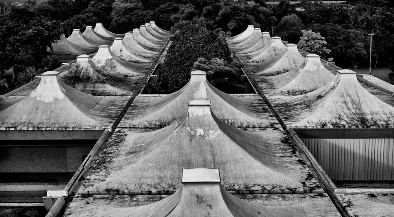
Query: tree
{"type": "Point", "coordinates": [348, 46]}
{"type": "Point", "coordinates": [289, 28]}
{"type": "Point", "coordinates": [313, 43]}
{"type": "Point", "coordinates": [25, 37]}
{"type": "Point", "coordinates": [164, 15]}
{"type": "Point", "coordinates": [192, 41]}
{"type": "Point", "coordinates": [223, 75]}
{"type": "Point", "coordinates": [126, 17]}
{"type": "Point", "coordinates": [321, 13]}
{"type": "Point", "coordinates": [283, 9]}
{"type": "Point", "coordinates": [98, 11]}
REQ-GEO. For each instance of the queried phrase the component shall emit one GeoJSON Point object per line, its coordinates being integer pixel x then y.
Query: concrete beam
{"type": "Point", "coordinates": [50, 134]}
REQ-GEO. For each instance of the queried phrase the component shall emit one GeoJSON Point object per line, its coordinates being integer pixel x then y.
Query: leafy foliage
{"type": "Point", "coordinates": [192, 41]}
{"type": "Point", "coordinates": [223, 75]}
{"type": "Point", "coordinates": [26, 33]}
{"type": "Point", "coordinates": [346, 28]}
{"type": "Point", "coordinates": [289, 28]}
{"type": "Point", "coordinates": [25, 37]}
{"type": "Point", "coordinates": [78, 14]}
{"type": "Point", "coordinates": [313, 43]}
{"type": "Point", "coordinates": [347, 45]}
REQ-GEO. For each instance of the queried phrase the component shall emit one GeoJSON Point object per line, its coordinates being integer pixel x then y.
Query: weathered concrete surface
{"type": "Point", "coordinates": [232, 41]}
{"type": "Point", "coordinates": [106, 60]}
{"type": "Point", "coordinates": [99, 29]}
{"type": "Point", "coordinates": [155, 33]}
{"type": "Point", "coordinates": [49, 135]}
{"type": "Point", "coordinates": [271, 53]}
{"type": "Point", "coordinates": [264, 41]}
{"type": "Point", "coordinates": [248, 42]}
{"type": "Point", "coordinates": [154, 160]}
{"type": "Point", "coordinates": [365, 205]}
{"type": "Point", "coordinates": [159, 30]}
{"type": "Point", "coordinates": [145, 43]}
{"type": "Point", "coordinates": [374, 80]}
{"type": "Point", "coordinates": [346, 102]}
{"type": "Point", "coordinates": [151, 37]}
{"type": "Point", "coordinates": [95, 37]}
{"type": "Point", "coordinates": [309, 78]}
{"type": "Point", "coordinates": [173, 107]}
{"type": "Point", "coordinates": [64, 46]}
{"type": "Point", "coordinates": [134, 47]}
{"type": "Point", "coordinates": [85, 44]}
{"type": "Point", "coordinates": [291, 60]}
{"type": "Point", "coordinates": [195, 197]}
{"type": "Point", "coordinates": [85, 76]}
{"type": "Point", "coordinates": [52, 105]}
{"type": "Point", "coordinates": [119, 49]}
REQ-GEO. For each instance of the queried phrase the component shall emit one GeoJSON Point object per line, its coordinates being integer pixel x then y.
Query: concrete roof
{"type": "Point", "coordinates": [109, 79]}
{"type": "Point", "coordinates": [150, 37]}
{"type": "Point", "coordinates": [100, 29]}
{"type": "Point", "coordinates": [87, 45]}
{"type": "Point", "coordinates": [119, 49]}
{"type": "Point", "coordinates": [290, 60]}
{"type": "Point", "coordinates": [144, 42]}
{"type": "Point", "coordinates": [54, 105]}
{"type": "Point", "coordinates": [96, 38]}
{"type": "Point", "coordinates": [159, 30]}
{"type": "Point", "coordinates": [232, 41]}
{"type": "Point", "coordinates": [322, 100]}
{"type": "Point", "coordinates": [64, 46]}
{"type": "Point", "coordinates": [268, 54]}
{"type": "Point", "coordinates": [156, 33]}
{"type": "Point", "coordinates": [264, 41]}
{"type": "Point", "coordinates": [196, 196]}
{"type": "Point", "coordinates": [154, 160]}
{"type": "Point", "coordinates": [170, 108]}
{"type": "Point", "coordinates": [134, 47]}
{"type": "Point", "coordinates": [248, 42]}
{"type": "Point", "coordinates": [346, 102]}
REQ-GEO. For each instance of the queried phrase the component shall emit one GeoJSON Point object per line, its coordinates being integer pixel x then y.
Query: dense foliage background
{"type": "Point", "coordinates": [344, 27]}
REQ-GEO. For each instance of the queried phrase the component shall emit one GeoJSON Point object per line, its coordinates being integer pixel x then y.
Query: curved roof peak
{"type": "Point", "coordinates": [346, 102]}
{"type": "Point", "coordinates": [198, 75]}
{"type": "Point", "coordinates": [103, 54]}
{"type": "Point", "coordinates": [52, 104]}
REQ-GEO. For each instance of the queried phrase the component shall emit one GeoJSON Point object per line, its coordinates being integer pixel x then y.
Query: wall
{"type": "Point", "coordinates": [353, 156]}
{"type": "Point", "coordinates": [354, 159]}
{"type": "Point", "coordinates": [43, 156]}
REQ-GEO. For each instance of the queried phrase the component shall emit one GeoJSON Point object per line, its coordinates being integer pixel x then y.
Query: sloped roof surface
{"type": "Point", "coordinates": [52, 104]}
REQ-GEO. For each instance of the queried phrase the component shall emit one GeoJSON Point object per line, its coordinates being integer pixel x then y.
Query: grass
{"type": "Point", "coordinates": [381, 73]}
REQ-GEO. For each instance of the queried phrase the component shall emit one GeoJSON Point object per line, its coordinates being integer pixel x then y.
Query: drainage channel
{"type": "Point", "coordinates": [59, 203]}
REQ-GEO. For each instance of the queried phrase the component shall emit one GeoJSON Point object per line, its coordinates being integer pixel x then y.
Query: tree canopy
{"type": "Point", "coordinates": [345, 28]}
{"type": "Point", "coordinates": [25, 37]}
{"type": "Point", "coordinates": [191, 42]}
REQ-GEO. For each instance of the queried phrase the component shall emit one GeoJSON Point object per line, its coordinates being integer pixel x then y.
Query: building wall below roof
{"type": "Point", "coordinates": [43, 159]}
{"type": "Point", "coordinates": [354, 160]}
